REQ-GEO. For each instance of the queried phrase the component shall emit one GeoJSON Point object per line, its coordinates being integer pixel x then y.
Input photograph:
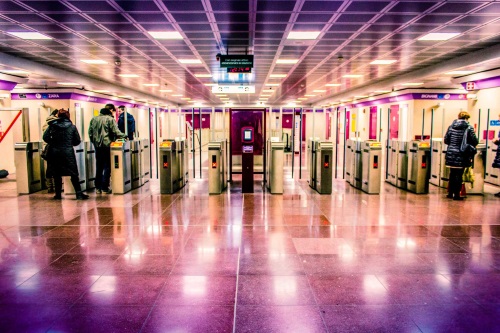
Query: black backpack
{"type": "Point", "coordinates": [3, 173]}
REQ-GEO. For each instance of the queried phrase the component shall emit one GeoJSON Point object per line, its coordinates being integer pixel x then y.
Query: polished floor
{"type": "Point", "coordinates": [298, 262]}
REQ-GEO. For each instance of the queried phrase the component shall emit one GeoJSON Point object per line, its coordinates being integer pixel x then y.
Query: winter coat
{"type": "Point", "coordinates": [49, 120]}
{"type": "Point", "coordinates": [62, 135]}
{"type": "Point", "coordinates": [453, 138]}
{"type": "Point", "coordinates": [130, 125]}
{"type": "Point", "coordinates": [103, 130]}
{"type": "Point", "coordinates": [496, 161]}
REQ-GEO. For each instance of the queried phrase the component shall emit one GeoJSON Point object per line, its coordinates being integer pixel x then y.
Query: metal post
{"type": "Point", "coordinates": [199, 139]}
{"type": "Point", "coordinates": [314, 122]}
{"type": "Point", "coordinates": [212, 121]}
{"type": "Point", "coordinates": [487, 134]}
{"type": "Point", "coordinates": [423, 124]}
{"type": "Point", "coordinates": [387, 143]}
{"type": "Point", "coordinates": [432, 131]}
{"type": "Point", "coordinates": [192, 142]}
{"type": "Point", "coordinates": [336, 141]}
{"type": "Point", "coordinates": [265, 144]}
{"type": "Point", "coordinates": [479, 126]}
{"type": "Point", "coordinates": [293, 140]}
{"type": "Point", "coordinates": [281, 122]}
{"type": "Point", "coordinates": [300, 145]}
{"type": "Point", "coordinates": [380, 126]}
{"type": "Point", "coordinates": [345, 143]}
{"type": "Point", "coordinates": [25, 120]}
{"type": "Point", "coordinates": [230, 147]}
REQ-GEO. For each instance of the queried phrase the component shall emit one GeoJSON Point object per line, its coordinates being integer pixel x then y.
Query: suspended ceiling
{"type": "Point", "coordinates": [351, 35]}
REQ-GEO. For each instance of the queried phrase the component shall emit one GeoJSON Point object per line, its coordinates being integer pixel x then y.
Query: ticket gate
{"type": "Point", "coordinates": [312, 144]}
{"type": "Point", "coordinates": [402, 164]}
{"type": "Point", "coordinates": [81, 161]}
{"type": "Point", "coordinates": [29, 167]}
{"type": "Point", "coordinates": [357, 164]}
{"type": "Point", "coordinates": [492, 174]}
{"type": "Point", "coordinates": [121, 175]}
{"type": "Point", "coordinates": [478, 167]}
{"type": "Point", "coordinates": [169, 167]}
{"type": "Point", "coordinates": [182, 156]}
{"type": "Point", "coordinates": [324, 159]}
{"type": "Point", "coordinates": [349, 152]}
{"type": "Point", "coordinates": [437, 149]}
{"type": "Point", "coordinates": [392, 168]}
{"type": "Point", "coordinates": [145, 161]}
{"type": "Point", "coordinates": [90, 166]}
{"type": "Point", "coordinates": [217, 181]}
{"type": "Point", "coordinates": [135, 159]}
{"type": "Point", "coordinates": [418, 167]}
{"type": "Point", "coordinates": [275, 161]}
{"type": "Point", "coordinates": [371, 174]}
{"type": "Point", "coordinates": [444, 178]}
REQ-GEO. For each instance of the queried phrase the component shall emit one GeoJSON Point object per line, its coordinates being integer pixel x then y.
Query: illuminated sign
{"type": "Point", "coordinates": [234, 89]}
{"type": "Point", "coordinates": [239, 70]}
{"type": "Point", "coordinates": [470, 86]}
{"type": "Point", "coordinates": [236, 61]}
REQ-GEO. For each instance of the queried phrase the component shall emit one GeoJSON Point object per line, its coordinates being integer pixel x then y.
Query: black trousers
{"type": "Point", "coordinates": [455, 184]}
{"type": "Point", "coordinates": [58, 184]}
{"type": "Point", "coordinates": [102, 167]}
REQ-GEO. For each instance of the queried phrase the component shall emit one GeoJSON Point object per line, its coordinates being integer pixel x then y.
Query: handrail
{"type": "Point", "coordinates": [11, 125]}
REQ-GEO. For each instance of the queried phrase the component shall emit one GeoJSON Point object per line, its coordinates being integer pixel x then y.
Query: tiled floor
{"type": "Point", "coordinates": [298, 262]}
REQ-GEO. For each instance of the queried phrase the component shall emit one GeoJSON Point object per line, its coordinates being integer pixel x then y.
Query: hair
{"type": "Point", "coordinates": [106, 112]}
{"type": "Point", "coordinates": [463, 115]}
{"type": "Point", "coordinates": [110, 107]}
{"type": "Point", "coordinates": [63, 114]}
{"type": "Point", "coordinates": [54, 113]}
{"type": "Point", "coordinates": [121, 107]}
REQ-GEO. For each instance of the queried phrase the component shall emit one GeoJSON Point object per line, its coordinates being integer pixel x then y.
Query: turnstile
{"type": "Point", "coordinates": [349, 155]}
{"type": "Point", "coordinates": [145, 161]}
{"type": "Point", "coordinates": [418, 167]}
{"type": "Point", "coordinates": [357, 168]}
{"type": "Point", "coordinates": [324, 159]}
{"type": "Point", "coordinates": [169, 167]}
{"type": "Point", "coordinates": [478, 167]}
{"type": "Point", "coordinates": [29, 167]}
{"type": "Point", "coordinates": [392, 168]}
{"type": "Point", "coordinates": [135, 167]}
{"type": "Point", "coordinates": [312, 144]}
{"type": "Point", "coordinates": [182, 156]}
{"type": "Point", "coordinates": [121, 176]}
{"type": "Point", "coordinates": [81, 161]}
{"type": "Point", "coordinates": [275, 161]}
{"type": "Point", "coordinates": [492, 174]}
{"type": "Point", "coordinates": [371, 170]}
{"type": "Point", "coordinates": [444, 177]}
{"type": "Point", "coordinates": [90, 166]}
{"type": "Point", "coordinates": [402, 164]}
{"type": "Point", "coordinates": [217, 181]}
{"type": "Point", "coordinates": [436, 152]}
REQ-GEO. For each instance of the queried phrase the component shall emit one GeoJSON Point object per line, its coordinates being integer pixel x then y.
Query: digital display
{"type": "Point", "coordinates": [239, 70]}
{"type": "Point", "coordinates": [247, 135]}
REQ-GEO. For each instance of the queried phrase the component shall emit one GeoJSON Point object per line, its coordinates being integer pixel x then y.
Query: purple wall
{"type": "Point", "coordinates": [240, 119]}
{"type": "Point", "coordinates": [372, 134]}
{"type": "Point", "coordinates": [205, 120]}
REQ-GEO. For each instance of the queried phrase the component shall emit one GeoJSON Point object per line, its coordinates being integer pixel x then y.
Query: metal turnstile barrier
{"type": "Point", "coordinates": [349, 155]}
{"type": "Point", "coordinates": [275, 163]}
{"type": "Point", "coordinates": [312, 144]}
{"type": "Point", "coordinates": [182, 155]}
{"type": "Point", "coordinates": [145, 161]}
{"type": "Point", "coordinates": [169, 167]}
{"type": "Point", "coordinates": [492, 174]}
{"type": "Point", "coordinates": [418, 167]}
{"type": "Point", "coordinates": [81, 161]}
{"type": "Point", "coordinates": [437, 149]}
{"type": "Point", "coordinates": [392, 168]}
{"type": "Point", "coordinates": [478, 169]}
{"type": "Point", "coordinates": [402, 164]}
{"type": "Point", "coordinates": [217, 181]}
{"type": "Point", "coordinates": [135, 160]}
{"type": "Point", "coordinates": [444, 178]}
{"type": "Point", "coordinates": [121, 176]}
{"type": "Point", "coordinates": [90, 166]}
{"type": "Point", "coordinates": [371, 172]}
{"type": "Point", "coordinates": [357, 164]}
{"type": "Point", "coordinates": [324, 159]}
{"type": "Point", "coordinates": [29, 167]}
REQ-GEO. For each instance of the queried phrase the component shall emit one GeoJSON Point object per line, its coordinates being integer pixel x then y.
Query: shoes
{"type": "Point", "coordinates": [458, 198]}
{"type": "Point", "coordinates": [450, 196]}
{"type": "Point", "coordinates": [98, 191]}
{"type": "Point", "coordinates": [107, 190]}
{"type": "Point", "coordinates": [497, 195]}
{"type": "Point", "coordinates": [51, 190]}
{"type": "Point", "coordinates": [57, 197]}
{"type": "Point", "coordinates": [81, 196]}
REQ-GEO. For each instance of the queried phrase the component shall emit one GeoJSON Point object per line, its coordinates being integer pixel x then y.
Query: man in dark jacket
{"type": "Point", "coordinates": [62, 136]}
{"type": "Point", "coordinates": [455, 159]}
{"type": "Point", "coordinates": [130, 122]}
{"type": "Point", "coordinates": [102, 131]}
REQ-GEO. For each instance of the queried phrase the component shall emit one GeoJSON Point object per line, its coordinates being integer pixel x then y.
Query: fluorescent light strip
{"type": "Point", "coordinates": [165, 90]}
{"type": "Point", "coordinates": [31, 35]}
{"type": "Point", "coordinates": [319, 91]}
{"type": "Point", "coordinates": [278, 75]}
{"type": "Point", "coordinates": [287, 61]}
{"type": "Point", "coordinates": [190, 61]}
{"type": "Point", "coordinates": [352, 76]}
{"type": "Point", "coordinates": [303, 34]}
{"type": "Point", "coordinates": [128, 75]}
{"type": "Point", "coordinates": [382, 62]}
{"type": "Point", "coordinates": [68, 84]}
{"type": "Point", "coordinates": [177, 95]}
{"type": "Point", "coordinates": [439, 36]}
{"type": "Point", "coordinates": [151, 84]}
{"type": "Point", "coordinates": [14, 71]}
{"type": "Point", "coordinates": [412, 84]}
{"type": "Point", "coordinates": [332, 85]}
{"type": "Point", "coordinates": [459, 72]}
{"type": "Point", "coordinates": [203, 75]}
{"type": "Point", "coordinates": [309, 95]}
{"type": "Point", "coordinates": [165, 34]}
{"type": "Point", "coordinates": [272, 84]}
{"type": "Point", "coordinates": [94, 61]}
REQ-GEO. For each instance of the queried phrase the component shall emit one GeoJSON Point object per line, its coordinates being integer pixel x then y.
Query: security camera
{"type": "Point", "coordinates": [118, 62]}
{"type": "Point", "coordinates": [217, 56]}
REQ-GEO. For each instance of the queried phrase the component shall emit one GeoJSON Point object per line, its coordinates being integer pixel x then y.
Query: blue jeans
{"type": "Point", "coordinates": [103, 167]}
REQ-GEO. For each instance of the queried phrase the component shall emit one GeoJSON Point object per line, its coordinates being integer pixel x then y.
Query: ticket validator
{"type": "Point", "coordinates": [247, 143]}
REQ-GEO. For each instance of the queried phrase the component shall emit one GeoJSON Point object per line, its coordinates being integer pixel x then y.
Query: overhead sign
{"type": "Point", "coordinates": [239, 70]}
{"type": "Point", "coordinates": [236, 61]}
{"type": "Point", "coordinates": [470, 86]}
{"type": "Point", "coordinates": [494, 122]}
{"type": "Point", "coordinates": [233, 89]}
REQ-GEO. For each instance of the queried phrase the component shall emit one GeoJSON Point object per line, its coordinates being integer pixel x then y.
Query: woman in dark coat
{"type": "Point", "coordinates": [455, 159]}
{"type": "Point", "coordinates": [62, 135]}
{"type": "Point", "coordinates": [496, 161]}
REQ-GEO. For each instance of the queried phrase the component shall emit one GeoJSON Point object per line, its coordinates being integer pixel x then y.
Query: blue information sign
{"type": "Point", "coordinates": [494, 122]}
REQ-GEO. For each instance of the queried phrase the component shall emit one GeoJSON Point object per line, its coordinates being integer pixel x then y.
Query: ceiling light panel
{"type": "Point", "coordinates": [287, 61]}
{"type": "Point", "coordinates": [94, 61]}
{"type": "Point", "coordinates": [439, 36]}
{"type": "Point", "coordinates": [190, 61]}
{"type": "Point", "coordinates": [303, 34]}
{"type": "Point", "coordinates": [30, 35]}
{"type": "Point", "coordinates": [165, 34]}
{"type": "Point", "coordinates": [383, 62]}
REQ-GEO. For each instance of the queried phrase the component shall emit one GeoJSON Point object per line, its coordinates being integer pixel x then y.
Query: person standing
{"type": "Point", "coordinates": [496, 161]}
{"type": "Point", "coordinates": [102, 131]}
{"type": "Point", "coordinates": [62, 136]}
{"type": "Point", "coordinates": [454, 158]}
{"type": "Point", "coordinates": [130, 122]}
{"type": "Point", "coordinates": [49, 181]}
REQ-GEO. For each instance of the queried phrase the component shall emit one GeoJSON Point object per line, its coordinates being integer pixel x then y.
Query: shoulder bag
{"type": "Point", "coordinates": [467, 150]}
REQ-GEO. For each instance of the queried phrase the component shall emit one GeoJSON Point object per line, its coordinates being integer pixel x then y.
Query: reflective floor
{"type": "Point", "coordinates": [298, 262]}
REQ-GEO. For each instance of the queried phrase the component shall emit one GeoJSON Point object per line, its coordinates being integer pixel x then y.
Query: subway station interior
{"type": "Point", "coordinates": [286, 172]}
